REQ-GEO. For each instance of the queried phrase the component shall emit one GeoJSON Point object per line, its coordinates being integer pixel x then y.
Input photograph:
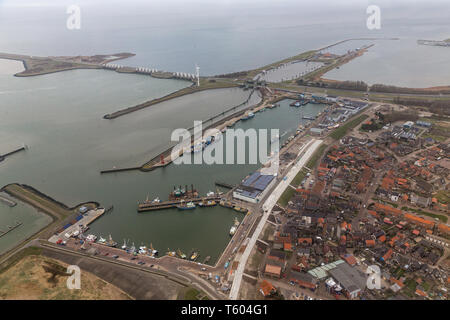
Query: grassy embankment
{"type": "Point", "coordinates": [191, 294]}
{"type": "Point", "coordinates": [342, 130]}
{"type": "Point", "coordinates": [443, 196]}
{"type": "Point", "coordinates": [37, 277]}
{"type": "Point", "coordinates": [5, 265]}
{"type": "Point", "coordinates": [440, 130]}
{"type": "Point", "coordinates": [43, 202]}
{"type": "Point", "coordinates": [311, 164]}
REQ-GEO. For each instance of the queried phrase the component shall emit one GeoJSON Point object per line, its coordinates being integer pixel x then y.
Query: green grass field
{"type": "Point", "coordinates": [342, 130]}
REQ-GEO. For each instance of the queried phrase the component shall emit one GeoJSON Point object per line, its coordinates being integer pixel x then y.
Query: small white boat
{"type": "Point", "coordinates": [101, 240]}
{"type": "Point", "coordinates": [91, 238]}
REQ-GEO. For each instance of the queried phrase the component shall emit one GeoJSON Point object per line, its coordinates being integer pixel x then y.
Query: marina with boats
{"type": "Point", "coordinates": [189, 199]}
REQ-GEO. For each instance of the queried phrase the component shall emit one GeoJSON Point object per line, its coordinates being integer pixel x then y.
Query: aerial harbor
{"type": "Point", "coordinates": [223, 156]}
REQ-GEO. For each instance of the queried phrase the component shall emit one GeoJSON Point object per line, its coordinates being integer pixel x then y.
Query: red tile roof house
{"type": "Point", "coordinates": [272, 271]}
{"type": "Point", "coordinates": [304, 280]}
{"type": "Point", "coordinates": [349, 258]}
{"type": "Point", "coordinates": [287, 246]}
{"type": "Point", "coordinates": [370, 243]}
{"type": "Point", "coordinates": [304, 241]}
{"type": "Point", "coordinates": [267, 289]}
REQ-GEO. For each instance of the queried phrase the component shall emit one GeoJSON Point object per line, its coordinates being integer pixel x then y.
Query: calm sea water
{"type": "Point", "coordinates": [219, 36]}
{"type": "Point", "coordinates": [402, 63]}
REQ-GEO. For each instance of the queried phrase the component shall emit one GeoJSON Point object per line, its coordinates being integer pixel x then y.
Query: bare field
{"type": "Point", "coordinates": [28, 280]}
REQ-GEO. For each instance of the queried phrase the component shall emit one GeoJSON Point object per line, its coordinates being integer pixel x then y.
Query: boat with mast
{"type": "Point", "coordinates": [101, 240]}
{"type": "Point", "coordinates": [234, 227]}
{"type": "Point", "coordinates": [111, 242]}
{"type": "Point", "coordinates": [181, 254]}
{"type": "Point", "coordinates": [194, 255]}
{"type": "Point", "coordinates": [124, 246]}
{"type": "Point", "coordinates": [188, 206]}
{"type": "Point", "coordinates": [153, 250]}
{"type": "Point", "coordinates": [209, 203]}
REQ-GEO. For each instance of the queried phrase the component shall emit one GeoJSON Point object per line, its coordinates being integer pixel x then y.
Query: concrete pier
{"type": "Point", "coordinates": [3, 233]}
{"type": "Point", "coordinates": [3, 156]}
{"type": "Point", "coordinates": [173, 203]}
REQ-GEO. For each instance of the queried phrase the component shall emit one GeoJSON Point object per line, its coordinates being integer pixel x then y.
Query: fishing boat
{"type": "Point", "coordinates": [210, 194]}
{"type": "Point", "coordinates": [153, 250]}
{"type": "Point", "coordinates": [181, 254]}
{"type": "Point", "coordinates": [142, 250]}
{"type": "Point", "coordinates": [171, 253]}
{"type": "Point", "coordinates": [111, 242]}
{"type": "Point", "coordinates": [234, 227]}
{"type": "Point", "coordinates": [209, 203]}
{"type": "Point", "coordinates": [91, 238]}
{"type": "Point", "coordinates": [248, 116]}
{"type": "Point", "coordinates": [239, 209]}
{"type": "Point", "coordinates": [178, 192]}
{"type": "Point", "coordinates": [188, 206]}
{"type": "Point", "coordinates": [226, 204]}
{"type": "Point", "coordinates": [124, 246]}
{"type": "Point", "coordinates": [132, 249]}
{"type": "Point", "coordinates": [101, 240]}
{"type": "Point", "coordinates": [194, 255]}
{"type": "Point", "coordinates": [295, 104]}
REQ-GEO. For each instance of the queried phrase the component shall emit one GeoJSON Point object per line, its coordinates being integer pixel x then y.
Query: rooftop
{"type": "Point", "coordinates": [349, 278]}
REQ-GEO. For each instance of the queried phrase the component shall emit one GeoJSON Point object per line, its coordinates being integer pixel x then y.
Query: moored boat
{"type": "Point", "coordinates": [156, 200]}
{"type": "Point", "coordinates": [154, 252]}
{"type": "Point", "coordinates": [248, 116]}
{"type": "Point", "coordinates": [239, 209]}
{"type": "Point", "coordinates": [181, 254]}
{"type": "Point", "coordinates": [194, 256]}
{"type": "Point", "coordinates": [101, 240]}
{"type": "Point", "coordinates": [188, 206]}
{"type": "Point", "coordinates": [111, 242]}
{"type": "Point", "coordinates": [124, 246]}
{"type": "Point", "coordinates": [209, 203]}
{"type": "Point", "coordinates": [226, 204]}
